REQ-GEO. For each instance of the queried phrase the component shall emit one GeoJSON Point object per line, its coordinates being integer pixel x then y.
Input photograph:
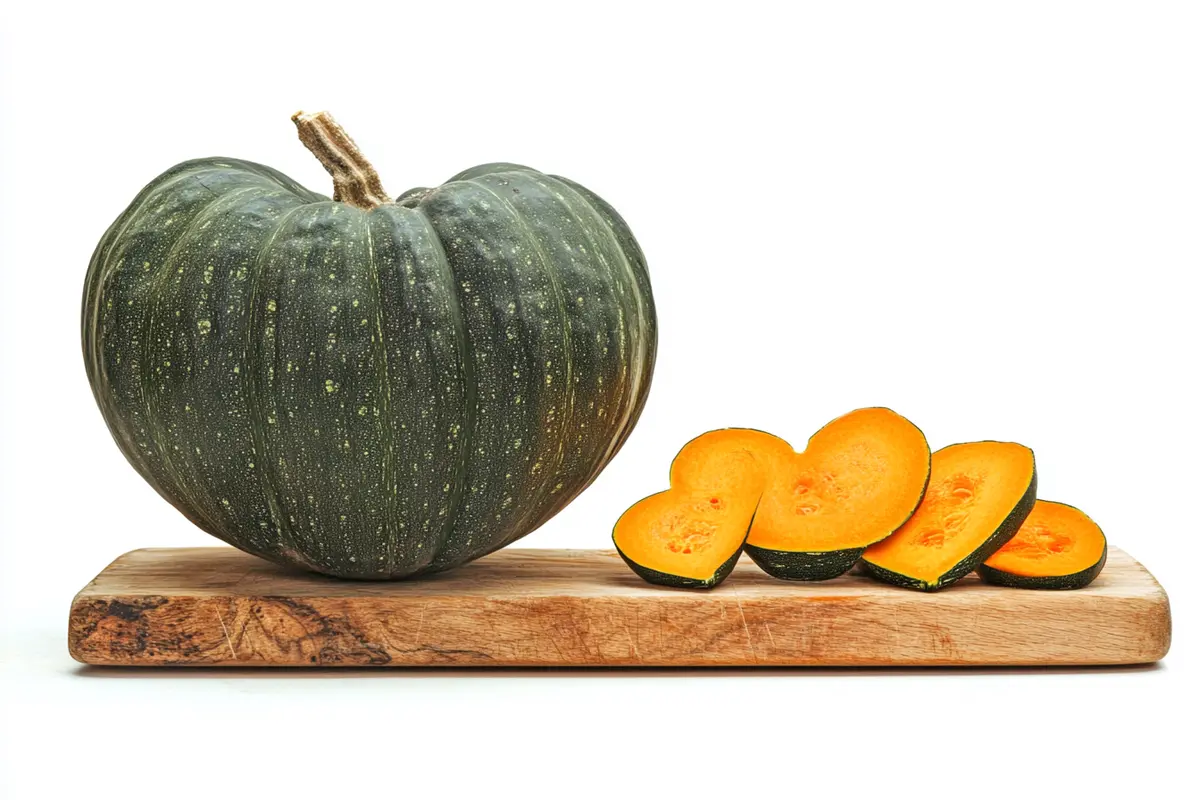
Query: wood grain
{"type": "Point", "coordinates": [217, 606]}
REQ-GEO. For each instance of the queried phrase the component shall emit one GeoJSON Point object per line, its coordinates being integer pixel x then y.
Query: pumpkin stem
{"type": "Point", "coordinates": [355, 181]}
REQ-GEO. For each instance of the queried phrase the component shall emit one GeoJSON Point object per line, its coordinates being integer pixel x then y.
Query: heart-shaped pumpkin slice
{"type": "Point", "coordinates": [691, 535]}
{"type": "Point", "coordinates": [858, 480]}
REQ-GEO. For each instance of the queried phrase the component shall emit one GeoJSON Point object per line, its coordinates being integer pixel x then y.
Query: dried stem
{"type": "Point", "coordinates": [355, 181]}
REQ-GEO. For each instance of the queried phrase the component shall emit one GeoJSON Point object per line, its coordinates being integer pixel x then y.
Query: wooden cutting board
{"type": "Point", "coordinates": [216, 606]}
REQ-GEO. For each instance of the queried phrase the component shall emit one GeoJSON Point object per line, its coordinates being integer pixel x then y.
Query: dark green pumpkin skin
{"type": "Point", "coordinates": [793, 566]}
{"type": "Point", "coordinates": [1076, 580]}
{"type": "Point", "coordinates": [1006, 531]}
{"type": "Point", "coordinates": [368, 394]}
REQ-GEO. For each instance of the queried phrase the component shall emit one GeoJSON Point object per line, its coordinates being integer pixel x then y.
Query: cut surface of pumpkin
{"type": "Point", "coordinates": [703, 460]}
{"type": "Point", "coordinates": [1057, 547]}
{"type": "Point", "coordinates": [858, 480]}
{"type": "Point", "coordinates": [691, 535]}
{"type": "Point", "coordinates": [979, 494]}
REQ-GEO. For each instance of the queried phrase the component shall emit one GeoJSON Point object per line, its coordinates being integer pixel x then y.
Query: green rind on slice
{"type": "Point", "coordinates": [795, 566]}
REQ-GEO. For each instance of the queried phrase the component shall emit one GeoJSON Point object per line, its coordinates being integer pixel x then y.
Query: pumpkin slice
{"type": "Point", "coordinates": [858, 480]}
{"type": "Point", "coordinates": [1057, 547]}
{"type": "Point", "coordinates": [979, 495]}
{"type": "Point", "coordinates": [691, 535]}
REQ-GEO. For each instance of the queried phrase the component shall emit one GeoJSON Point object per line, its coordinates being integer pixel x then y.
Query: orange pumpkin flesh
{"type": "Point", "coordinates": [702, 460]}
{"type": "Point", "coordinates": [691, 535]}
{"type": "Point", "coordinates": [858, 480]}
{"type": "Point", "coordinates": [979, 495]}
{"type": "Point", "coordinates": [1057, 547]}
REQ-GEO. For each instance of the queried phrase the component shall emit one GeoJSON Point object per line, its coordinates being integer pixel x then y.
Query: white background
{"type": "Point", "coordinates": [981, 215]}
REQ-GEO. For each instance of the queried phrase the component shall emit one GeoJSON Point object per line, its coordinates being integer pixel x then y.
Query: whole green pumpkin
{"type": "Point", "coordinates": [361, 387]}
